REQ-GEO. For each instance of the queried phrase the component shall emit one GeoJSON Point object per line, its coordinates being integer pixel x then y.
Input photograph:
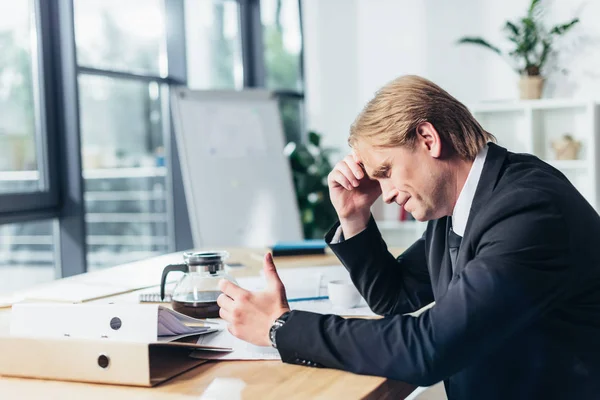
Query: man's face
{"type": "Point", "coordinates": [412, 178]}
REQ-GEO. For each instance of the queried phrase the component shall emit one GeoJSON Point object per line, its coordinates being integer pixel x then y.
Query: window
{"type": "Point", "coordinates": [123, 166]}
{"type": "Point", "coordinates": [27, 250]}
{"type": "Point", "coordinates": [214, 52]}
{"type": "Point", "coordinates": [122, 136]}
{"type": "Point", "coordinates": [19, 169]}
{"type": "Point", "coordinates": [121, 35]}
{"type": "Point", "coordinates": [91, 78]}
{"type": "Point", "coordinates": [282, 39]}
{"type": "Point", "coordinates": [292, 117]}
{"type": "Point", "coordinates": [217, 55]}
{"type": "Point", "coordinates": [26, 254]}
{"type": "Point", "coordinates": [282, 43]}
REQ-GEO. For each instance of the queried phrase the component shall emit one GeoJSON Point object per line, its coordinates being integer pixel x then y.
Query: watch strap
{"type": "Point", "coordinates": [278, 323]}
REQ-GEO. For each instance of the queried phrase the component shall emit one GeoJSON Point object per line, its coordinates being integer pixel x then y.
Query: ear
{"type": "Point", "coordinates": [428, 137]}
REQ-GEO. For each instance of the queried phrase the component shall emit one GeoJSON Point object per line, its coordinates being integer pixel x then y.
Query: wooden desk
{"type": "Point", "coordinates": [264, 379]}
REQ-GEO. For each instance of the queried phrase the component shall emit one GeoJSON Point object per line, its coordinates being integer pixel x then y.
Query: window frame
{"type": "Point", "coordinates": [39, 204]}
{"type": "Point", "coordinates": [176, 75]}
{"type": "Point", "coordinates": [253, 51]}
{"type": "Point", "coordinates": [58, 130]}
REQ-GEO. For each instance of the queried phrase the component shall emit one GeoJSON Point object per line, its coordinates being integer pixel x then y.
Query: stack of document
{"type": "Point", "coordinates": [124, 322]}
{"type": "Point", "coordinates": [173, 325]}
{"type": "Point", "coordinates": [241, 350]}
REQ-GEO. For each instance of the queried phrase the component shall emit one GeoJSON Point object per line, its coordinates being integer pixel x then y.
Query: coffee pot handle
{"type": "Point", "coordinates": [170, 268]}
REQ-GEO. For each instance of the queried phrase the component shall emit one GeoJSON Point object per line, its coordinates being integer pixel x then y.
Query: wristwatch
{"type": "Point", "coordinates": [279, 322]}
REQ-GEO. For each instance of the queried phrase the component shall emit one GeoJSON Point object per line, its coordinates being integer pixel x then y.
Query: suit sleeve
{"type": "Point", "coordinates": [520, 271]}
{"type": "Point", "coordinates": [389, 285]}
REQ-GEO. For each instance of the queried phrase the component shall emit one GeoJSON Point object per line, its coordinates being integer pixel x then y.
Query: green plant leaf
{"type": "Point", "coordinates": [301, 159]}
{"type": "Point", "coordinates": [530, 35]}
{"type": "Point", "coordinates": [314, 138]}
{"type": "Point", "coordinates": [532, 41]}
{"type": "Point", "coordinates": [327, 152]}
{"type": "Point", "coordinates": [529, 41]}
{"type": "Point", "coordinates": [546, 47]}
{"type": "Point", "coordinates": [479, 41]}
{"type": "Point", "coordinates": [310, 169]}
{"type": "Point", "coordinates": [564, 28]}
{"type": "Point", "coordinates": [512, 28]}
{"type": "Point", "coordinates": [533, 7]}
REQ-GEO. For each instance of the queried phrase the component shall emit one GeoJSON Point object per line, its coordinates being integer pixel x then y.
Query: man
{"type": "Point", "coordinates": [509, 257]}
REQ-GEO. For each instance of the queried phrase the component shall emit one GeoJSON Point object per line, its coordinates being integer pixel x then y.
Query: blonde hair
{"type": "Point", "coordinates": [390, 119]}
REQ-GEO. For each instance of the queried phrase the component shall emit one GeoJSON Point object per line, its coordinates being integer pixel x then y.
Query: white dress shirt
{"type": "Point", "coordinates": [462, 208]}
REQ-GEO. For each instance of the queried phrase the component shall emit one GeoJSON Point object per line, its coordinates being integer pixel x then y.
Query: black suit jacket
{"type": "Point", "coordinates": [518, 319]}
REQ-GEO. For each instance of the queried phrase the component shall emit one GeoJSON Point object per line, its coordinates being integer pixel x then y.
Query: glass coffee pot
{"type": "Point", "coordinates": [196, 292]}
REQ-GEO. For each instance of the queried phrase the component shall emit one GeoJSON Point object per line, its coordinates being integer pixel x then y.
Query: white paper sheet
{"type": "Point", "coordinates": [241, 350]}
{"type": "Point", "coordinates": [171, 323]}
{"type": "Point", "coordinates": [324, 274]}
{"type": "Point", "coordinates": [310, 282]}
{"type": "Point", "coordinates": [300, 282]}
{"type": "Point", "coordinates": [325, 307]}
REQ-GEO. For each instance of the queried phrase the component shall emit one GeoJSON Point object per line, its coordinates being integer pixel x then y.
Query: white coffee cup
{"type": "Point", "coordinates": [342, 293]}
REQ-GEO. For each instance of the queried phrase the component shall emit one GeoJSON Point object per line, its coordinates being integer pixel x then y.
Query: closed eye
{"type": "Point", "coordinates": [382, 173]}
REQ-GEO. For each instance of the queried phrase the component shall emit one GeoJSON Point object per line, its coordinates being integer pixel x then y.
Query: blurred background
{"type": "Point", "coordinates": [89, 174]}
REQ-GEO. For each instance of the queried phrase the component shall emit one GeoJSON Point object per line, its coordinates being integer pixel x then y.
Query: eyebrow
{"type": "Point", "coordinates": [380, 172]}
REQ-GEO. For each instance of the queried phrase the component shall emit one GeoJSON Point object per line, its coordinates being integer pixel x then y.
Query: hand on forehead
{"type": "Point", "coordinates": [363, 155]}
{"type": "Point", "coordinates": [360, 153]}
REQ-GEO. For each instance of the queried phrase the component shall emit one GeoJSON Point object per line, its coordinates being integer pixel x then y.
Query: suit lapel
{"type": "Point", "coordinates": [490, 175]}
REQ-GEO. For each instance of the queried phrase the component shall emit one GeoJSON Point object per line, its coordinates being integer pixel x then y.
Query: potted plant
{"type": "Point", "coordinates": [532, 44]}
{"type": "Point", "coordinates": [310, 167]}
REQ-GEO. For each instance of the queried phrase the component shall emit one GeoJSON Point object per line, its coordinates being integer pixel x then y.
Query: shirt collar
{"type": "Point", "coordinates": [460, 215]}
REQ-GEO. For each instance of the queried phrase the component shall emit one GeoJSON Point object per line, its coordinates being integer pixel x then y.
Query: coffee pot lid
{"type": "Point", "coordinates": [205, 257]}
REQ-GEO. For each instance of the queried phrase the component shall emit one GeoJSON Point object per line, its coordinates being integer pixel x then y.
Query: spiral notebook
{"type": "Point", "coordinates": [154, 297]}
{"type": "Point", "coordinates": [152, 294]}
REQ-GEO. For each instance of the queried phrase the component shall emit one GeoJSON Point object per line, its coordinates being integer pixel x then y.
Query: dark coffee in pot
{"type": "Point", "coordinates": [203, 305]}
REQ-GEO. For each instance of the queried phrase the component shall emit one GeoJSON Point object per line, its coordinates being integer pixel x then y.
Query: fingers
{"type": "Point", "coordinates": [271, 275]}
{"type": "Point", "coordinates": [352, 162]}
{"type": "Point", "coordinates": [229, 311]}
{"type": "Point", "coordinates": [225, 302]}
{"type": "Point", "coordinates": [226, 315]}
{"type": "Point", "coordinates": [336, 177]}
{"type": "Point", "coordinates": [232, 290]}
{"type": "Point", "coordinates": [234, 331]}
{"type": "Point", "coordinates": [348, 174]}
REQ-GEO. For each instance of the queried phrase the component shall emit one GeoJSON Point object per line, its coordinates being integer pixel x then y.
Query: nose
{"type": "Point", "coordinates": [388, 191]}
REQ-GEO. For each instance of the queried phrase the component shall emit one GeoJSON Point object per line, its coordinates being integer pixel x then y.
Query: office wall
{"type": "Point", "coordinates": [353, 47]}
{"type": "Point", "coordinates": [331, 67]}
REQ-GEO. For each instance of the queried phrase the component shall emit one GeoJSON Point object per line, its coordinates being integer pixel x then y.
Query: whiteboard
{"type": "Point", "coordinates": [238, 183]}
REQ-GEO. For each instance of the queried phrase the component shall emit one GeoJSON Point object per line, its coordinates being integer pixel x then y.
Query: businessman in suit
{"type": "Point", "coordinates": [510, 257]}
